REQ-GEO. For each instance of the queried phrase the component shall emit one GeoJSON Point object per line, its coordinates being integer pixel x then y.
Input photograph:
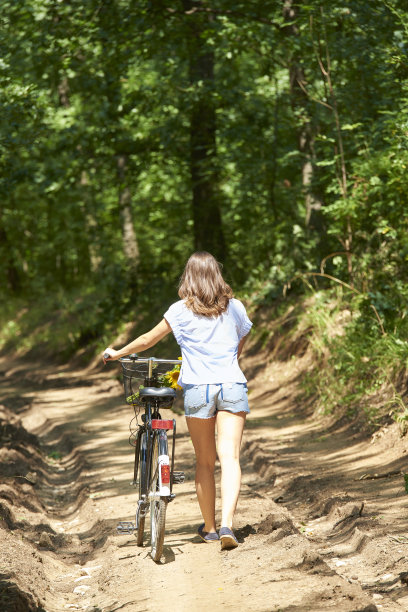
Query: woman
{"type": "Point", "coordinates": [210, 326]}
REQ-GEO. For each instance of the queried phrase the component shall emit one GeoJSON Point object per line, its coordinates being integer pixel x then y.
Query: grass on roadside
{"type": "Point", "coordinates": [55, 326]}
{"type": "Point", "coordinates": [360, 367]}
{"type": "Point", "coordinates": [77, 322]}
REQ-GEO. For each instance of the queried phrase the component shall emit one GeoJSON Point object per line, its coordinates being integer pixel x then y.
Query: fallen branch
{"type": "Point", "coordinates": [401, 539]}
{"type": "Point", "coordinates": [378, 476]}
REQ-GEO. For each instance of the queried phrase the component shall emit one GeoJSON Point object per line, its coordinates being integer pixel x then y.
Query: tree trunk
{"type": "Point", "coordinates": [114, 68]}
{"type": "Point", "coordinates": [63, 92]}
{"type": "Point", "coordinates": [206, 195]}
{"type": "Point", "coordinates": [130, 245]}
{"type": "Point", "coordinates": [306, 136]}
{"type": "Point", "coordinates": [92, 256]}
{"type": "Point", "coordinates": [10, 269]}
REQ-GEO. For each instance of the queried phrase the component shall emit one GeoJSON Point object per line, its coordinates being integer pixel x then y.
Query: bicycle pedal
{"type": "Point", "coordinates": [178, 477]}
{"type": "Point", "coordinates": [124, 527]}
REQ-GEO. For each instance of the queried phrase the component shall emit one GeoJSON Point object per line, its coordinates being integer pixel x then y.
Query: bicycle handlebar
{"type": "Point", "coordinates": [147, 359]}
{"type": "Point", "coordinates": [133, 358]}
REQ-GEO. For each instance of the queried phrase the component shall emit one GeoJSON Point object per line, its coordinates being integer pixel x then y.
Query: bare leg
{"type": "Point", "coordinates": [229, 427]}
{"type": "Point", "coordinates": [202, 432]}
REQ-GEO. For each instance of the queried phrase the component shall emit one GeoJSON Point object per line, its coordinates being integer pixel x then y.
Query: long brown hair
{"type": "Point", "coordinates": [202, 286]}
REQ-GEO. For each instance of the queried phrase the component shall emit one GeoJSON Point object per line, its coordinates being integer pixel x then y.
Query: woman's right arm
{"type": "Point", "coordinates": [142, 343]}
{"type": "Point", "coordinates": [241, 345]}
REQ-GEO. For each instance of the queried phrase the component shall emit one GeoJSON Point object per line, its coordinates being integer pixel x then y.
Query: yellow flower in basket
{"type": "Point", "coordinates": [170, 378]}
{"type": "Point", "coordinates": [173, 377]}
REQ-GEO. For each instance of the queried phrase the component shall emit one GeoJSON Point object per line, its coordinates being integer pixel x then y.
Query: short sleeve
{"type": "Point", "coordinates": [173, 318]}
{"type": "Point", "coordinates": [242, 320]}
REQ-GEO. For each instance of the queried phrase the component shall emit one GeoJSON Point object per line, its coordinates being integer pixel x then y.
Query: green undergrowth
{"type": "Point", "coordinates": [360, 356]}
{"type": "Point", "coordinates": [78, 324]}
{"type": "Point", "coordinates": [54, 327]}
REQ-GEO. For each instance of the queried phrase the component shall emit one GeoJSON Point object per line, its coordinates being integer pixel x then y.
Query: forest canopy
{"type": "Point", "coordinates": [273, 134]}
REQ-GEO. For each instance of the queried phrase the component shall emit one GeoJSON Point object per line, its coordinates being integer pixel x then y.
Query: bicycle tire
{"type": "Point", "coordinates": [142, 477]}
{"type": "Point", "coordinates": [158, 507]}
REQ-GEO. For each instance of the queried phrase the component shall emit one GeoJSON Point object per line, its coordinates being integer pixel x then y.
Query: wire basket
{"type": "Point", "coordinates": [135, 375]}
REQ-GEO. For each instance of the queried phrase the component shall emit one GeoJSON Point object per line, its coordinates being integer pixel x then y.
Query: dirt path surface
{"type": "Point", "coordinates": [322, 518]}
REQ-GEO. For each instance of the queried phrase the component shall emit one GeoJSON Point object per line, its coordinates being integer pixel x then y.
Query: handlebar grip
{"type": "Point", "coordinates": [106, 356]}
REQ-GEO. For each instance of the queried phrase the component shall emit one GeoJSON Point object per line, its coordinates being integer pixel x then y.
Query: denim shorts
{"type": "Point", "coordinates": [204, 401]}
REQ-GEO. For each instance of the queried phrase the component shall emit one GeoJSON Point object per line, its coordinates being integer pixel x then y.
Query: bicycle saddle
{"type": "Point", "coordinates": [158, 392]}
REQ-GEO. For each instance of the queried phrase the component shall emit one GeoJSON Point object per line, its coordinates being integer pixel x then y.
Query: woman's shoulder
{"type": "Point", "coordinates": [177, 308]}
{"type": "Point", "coordinates": [236, 305]}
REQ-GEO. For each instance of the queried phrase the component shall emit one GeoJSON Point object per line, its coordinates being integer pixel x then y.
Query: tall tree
{"type": "Point", "coordinates": [206, 194]}
{"type": "Point", "coordinates": [113, 25]}
{"type": "Point", "coordinates": [306, 131]}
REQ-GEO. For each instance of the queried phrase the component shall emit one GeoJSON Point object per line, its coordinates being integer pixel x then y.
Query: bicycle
{"type": "Point", "coordinates": [154, 472]}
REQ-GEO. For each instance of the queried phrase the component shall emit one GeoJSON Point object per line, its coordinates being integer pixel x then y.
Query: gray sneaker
{"type": "Point", "coordinates": [228, 539]}
{"type": "Point", "coordinates": [207, 536]}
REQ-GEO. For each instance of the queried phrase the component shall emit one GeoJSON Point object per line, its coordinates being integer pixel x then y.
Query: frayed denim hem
{"type": "Point", "coordinates": [195, 416]}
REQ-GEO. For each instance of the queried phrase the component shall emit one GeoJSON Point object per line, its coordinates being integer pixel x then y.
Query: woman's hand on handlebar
{"type": "Point", "coordinates": [109, 354]}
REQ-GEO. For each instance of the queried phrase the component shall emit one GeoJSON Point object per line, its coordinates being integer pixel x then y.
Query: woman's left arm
{"type": "Point", "coordinates": [142, 343]}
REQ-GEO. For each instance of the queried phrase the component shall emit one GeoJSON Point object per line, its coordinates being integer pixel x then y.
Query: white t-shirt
{"type": "Point", "coordinates": [209, 345]}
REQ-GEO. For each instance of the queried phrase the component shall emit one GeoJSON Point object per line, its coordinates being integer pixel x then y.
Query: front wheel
{"type": "Point", "coordinates": [158, 505]}
{"type": "Point", "coordinates": [157, 526]}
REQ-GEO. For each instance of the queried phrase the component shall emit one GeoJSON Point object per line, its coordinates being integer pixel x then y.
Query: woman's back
{"type": "Point", "coordinates": [209, 345]}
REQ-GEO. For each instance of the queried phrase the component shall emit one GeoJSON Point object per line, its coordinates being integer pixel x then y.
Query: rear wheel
{"type": "Point", "coordinates": [158, 505]}
{"type": "Point", "coordinates": [142, 477]}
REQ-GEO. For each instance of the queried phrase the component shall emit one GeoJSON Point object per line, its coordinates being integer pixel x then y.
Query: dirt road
{"type": "Point", "coordinates": [322, 517]}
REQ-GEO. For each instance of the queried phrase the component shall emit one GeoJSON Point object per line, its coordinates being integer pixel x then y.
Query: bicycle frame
{"type": "Point", "coordinates": [151, 413]}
